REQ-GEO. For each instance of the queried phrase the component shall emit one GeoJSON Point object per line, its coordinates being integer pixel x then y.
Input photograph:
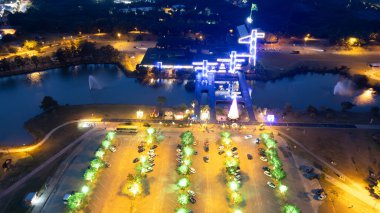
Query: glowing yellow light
{"type": "Point", "coordinates": [139, 114]}
{"type": "Point", "coordinates": [352, 40]}
{"type": "Point", "coordinates": [367, 97]}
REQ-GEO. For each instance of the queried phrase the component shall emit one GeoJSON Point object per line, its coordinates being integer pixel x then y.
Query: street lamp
{"type": "Point", "coordinates": [249, 20]}
{"type": "Point", "coordinates": [118, 35]}
{"type": "Point", "coordinates": [139, 114]}
{"type": "Point", "coordinates": [283, 189]}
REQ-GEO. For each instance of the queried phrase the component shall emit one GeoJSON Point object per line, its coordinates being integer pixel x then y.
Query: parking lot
{"type": "Point", "coordinates": [208, 182]}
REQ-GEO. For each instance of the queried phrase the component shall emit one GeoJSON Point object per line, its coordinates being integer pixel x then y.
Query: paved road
{"type": "Point", "coordinates": [72, 177]}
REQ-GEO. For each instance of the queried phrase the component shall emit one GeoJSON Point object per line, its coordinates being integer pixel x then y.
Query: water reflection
{"type": "Point", "coordinates": [367, 97]}
{"type": "Point", "coordinates": [35, 78]}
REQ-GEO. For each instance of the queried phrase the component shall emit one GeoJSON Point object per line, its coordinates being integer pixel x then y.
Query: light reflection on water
{"type": "Point", "coordinates": [367, 97]}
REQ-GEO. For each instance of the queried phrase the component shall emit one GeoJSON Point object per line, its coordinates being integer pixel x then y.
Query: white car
{"type": "Point", "coordinates": [191, 193]}
{"type": "Point", "coordinates": [192, 170]}
{"type": "Point", "coordinates": [263, 159]}
{"type": "Point", "coordinates": [270, 184]}
{"type": "Point", "coordinates": [267, 173]}
{"type": "Point", "coordinates": [322, 196]}
{"type": "Point", "coordinates": [221, 148]}
{"type": "Point", "coordinates": [248, 137]}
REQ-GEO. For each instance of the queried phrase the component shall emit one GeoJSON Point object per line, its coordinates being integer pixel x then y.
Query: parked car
{"type": "Point", "coordinates": [112, 148]}
{"type": "Point", "coordinates": [67, 196]}
{"type": "Point", "coordinates": [249, 156]}
{"type": "Point", "coordinates": [191, 193]}
{"type": "Point", "coordinates": [192, 200]}
{"type": "Point", "coordinates": [248, 137]}
{"type": "Point", "coordinates": [306, 169]}
{"type": "Point", "coordinates": [270, 184]}
{"type": "Point", "coordinates": [265, 168]}
{"type": "Point", "coordinates": [311, 175]}
{"type": "Point", "coordinates": [206, 159]}
{"type": "Point", "coordinates": [267, 173]}
{"type": "Point", "coordinates": [192, 170]}
{"type": "Point", "coordinates": [322, 196]}
{"type": "Point", "coordinates": [107, 165]}
{"type": "Point", "coordinates": [221, 152]}
{"type": "Point", "coordinates": [135, 160]}
{"type": "Point", "coordinates": [263, 159]}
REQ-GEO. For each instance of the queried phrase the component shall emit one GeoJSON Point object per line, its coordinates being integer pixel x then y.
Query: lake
{"type": "Point", "coordinates": [21, 95]}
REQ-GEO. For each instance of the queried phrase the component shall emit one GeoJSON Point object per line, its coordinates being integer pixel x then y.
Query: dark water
{"type": "Point", "coordinates": [20, 96]}
{"type": "Point", "coordinates": [328, 90]}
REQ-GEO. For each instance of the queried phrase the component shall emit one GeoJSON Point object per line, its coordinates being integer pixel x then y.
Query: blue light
{"type": "Point", "coordinates": [252, 41]}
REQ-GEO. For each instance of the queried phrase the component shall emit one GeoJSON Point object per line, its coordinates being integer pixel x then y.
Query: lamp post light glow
{"type": "Point", "coordinates": [233, 186]}
{"type": "Point", "coordinates": [139, 114]}
{"type": "Point", "coordinates": [283, 189]}
{"type": "Point", "coordinates": [85, 189]}
{"type": "Point", "coordinates": [183, 182]}
{"type": "Point", "coordinates": [150, 130]}
{"type": "Point", "coordinates": [249, 20]}
{"type": "Point", "coordinates": [270, 118]}
{"type": "Point", "coordinates": [135, 189]}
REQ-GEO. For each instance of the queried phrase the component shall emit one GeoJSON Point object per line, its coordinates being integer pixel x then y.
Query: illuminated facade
{"type": "Point", "coordinates": [222, 65]}
{"type": "Point", "coordinates": [233, 114]}
{"type": "Point", "coordinates": [252, 41]}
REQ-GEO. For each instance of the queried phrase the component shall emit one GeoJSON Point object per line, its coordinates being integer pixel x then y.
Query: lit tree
{"type": "Point", "coordinates": [75, 200]}
{"type": "Point", "coordinates": [288, 208]}
{"type": "Point", "coordinates": [376, 189]}
{"type": "Point", "coordinates": [132, 188]}
{"type": "Point", "coordinates": [278, 173]}
{"type": "Point", "coordinates": [187, 138]}
{"type": "Point", "coordinates": [89, 175]}
{"type": "Point", "coordinates": [225, 134]}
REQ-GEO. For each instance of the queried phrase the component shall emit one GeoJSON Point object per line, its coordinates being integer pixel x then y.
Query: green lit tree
{"type": "Point", "coordinates": [225, 134]}
{"type": "Point", "coordinates": [376, 189]}
{"type": "Point", "coordinates": [278, 173]}
{"type": "Point", "coordinates": [75, 200]}
{"type": "Point", "coordinates": [288, 208]}
{"type": "Point", "coordinates": [187, 138]}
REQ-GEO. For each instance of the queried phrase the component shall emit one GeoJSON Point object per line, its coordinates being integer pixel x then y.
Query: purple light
{"type": "Point", "coordinates": [270, 118]}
